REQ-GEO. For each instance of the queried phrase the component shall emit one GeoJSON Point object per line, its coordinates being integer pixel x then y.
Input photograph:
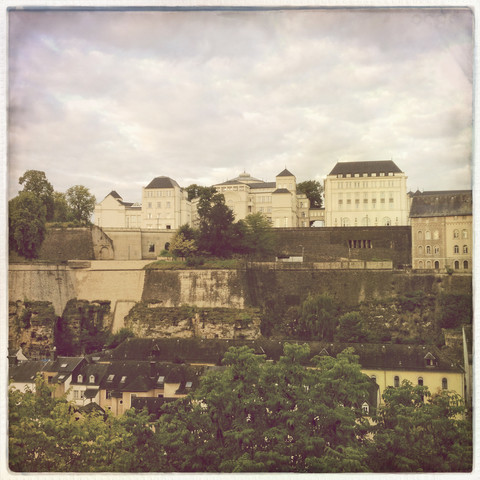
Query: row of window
{"type": "Point", "coordinates": [436, 235]}
{"type": "Point", "coordinates": [366, 222]}
{"type": "Point", "coordinates": [396, 381]}
{"type": "Point", "coordinates": [366, 184]}
{"type": "Point", "coordinates": [365, 203]}
{"type": "Point", "coordinates": [159, 205]}
{"type": "Point", "coordinates": [159, 193]}
{"type": "Point", "coordinates": [436, 265]}
{"type": "Point", "coordinates": [374, 174]}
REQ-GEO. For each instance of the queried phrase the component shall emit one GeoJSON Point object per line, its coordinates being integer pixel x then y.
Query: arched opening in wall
{"type": "Point", "coordinates": [465, 264]}
{"type": "Point", "coordinates": [429, 264]}
{"type": "Point", "coordinates": [167, 246]}
{"type": "Point", "coordinates": [387, 221]}
{"type": "Point", "coordinates": [456, 265]}
{"type": "Point", "coordinates": [104, 253]}
{"type": "Point", "coordinates": [437, 265]}
{"type": "Point", "coordinates": [420, 264]}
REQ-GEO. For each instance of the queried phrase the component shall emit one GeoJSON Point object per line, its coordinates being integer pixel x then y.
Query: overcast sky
{"type": "Point", "coordinates": [112, 99]}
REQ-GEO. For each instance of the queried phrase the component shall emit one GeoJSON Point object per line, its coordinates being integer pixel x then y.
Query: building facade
{"type": "Point", "coordinates": [366, 194]}
{"type": "Point", "coordinates": [278, 201]}
{"type": "Point", "coordinates": [442, 227]}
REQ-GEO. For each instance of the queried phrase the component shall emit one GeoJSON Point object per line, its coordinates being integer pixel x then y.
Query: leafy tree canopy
{"type": "Point", "coordinates": [196, 191]}
{"type": "Point", "coordinates": [259, 237]}
{"type": "Point", "coordinates": [35, 181]}
{"type": "Point", "coordinates": [416, 431]}
{"type": "Point", "coordinates": [81, 202]}
{"type": "Point", "coordinates": [26, 222]}
{"type": "Point", "coordinates": [313, 189]}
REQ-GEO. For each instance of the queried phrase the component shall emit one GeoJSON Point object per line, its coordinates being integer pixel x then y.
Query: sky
{"type": "Point", "coordinates": [112, 99]}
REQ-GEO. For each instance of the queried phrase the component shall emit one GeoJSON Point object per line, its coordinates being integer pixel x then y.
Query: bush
{"type": "Point", "coordinates": [194, 261]}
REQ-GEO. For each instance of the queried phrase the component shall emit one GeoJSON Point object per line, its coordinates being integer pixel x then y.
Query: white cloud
{"type": "Point", "coordinates": [113, 99]}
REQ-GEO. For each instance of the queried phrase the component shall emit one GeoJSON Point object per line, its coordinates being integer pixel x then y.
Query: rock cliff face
{"type": "Point", "coordinates": [240, 293]}
{"type": "Point", "coordinates": [154, 320]}
{"type": "Point", "coordinates": [32, 328]}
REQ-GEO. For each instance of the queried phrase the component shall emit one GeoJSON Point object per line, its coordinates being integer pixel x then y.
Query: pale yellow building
{"type": "Point", "coordinates": [278, 200]}
{"type": "Point", "coordinates": [442, 228]}
{"type": "Point", "coordinates": [366, 194]}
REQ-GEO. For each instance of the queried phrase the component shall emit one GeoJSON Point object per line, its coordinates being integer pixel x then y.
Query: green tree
{"type": "Point", "coordinates": [26, 224]}
{"type": "Point", "coordinates": [182, 247]}
{"type": "Point", "coordinates": [216, 230]}
{"type": "Point", "coordinates": [318, 317]}
{"type": "Point", "coordinates": [35, 181]}
{"type": "Point", "coordinates": [259, 238]}
{"type": "Point", "coordinates": [46, 435]}
{"type": "Point", "coordinates": [350, 328]}
{"type": "Point", "coordinates": [81, 203]}
{"type": "Point", "coordinates": [196, 191]}
{"type": "Point", "coordinates": [416, 431]}
{"type": "Point", "coordinates": [61, 209]}
{"type": "Point", "coordinates": [313, 190]}
{"type": "Point", "coordinates": [270, 417]}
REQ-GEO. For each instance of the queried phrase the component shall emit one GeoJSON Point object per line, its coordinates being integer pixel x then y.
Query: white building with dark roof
{"type": "Point", "coordinates": [366, 194]}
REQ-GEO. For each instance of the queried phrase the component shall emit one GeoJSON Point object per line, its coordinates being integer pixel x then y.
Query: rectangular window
{"type": "Point", "coordinates": [168, 205]}
{"type": "Point", "coordinates": [159, 204]}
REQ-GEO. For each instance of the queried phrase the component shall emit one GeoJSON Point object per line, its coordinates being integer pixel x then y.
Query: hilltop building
{"type": "Point", "coordinates": [278, 201]}
{"type": "Point", "coordinates": [442, 226]}
{"type": "Point", "coordinates": [366, 194]}
{"type": "Point", "coordinates": [165, 205]}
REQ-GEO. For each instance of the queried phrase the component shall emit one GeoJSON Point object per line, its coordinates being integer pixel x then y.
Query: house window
{"type": "Point", "coordinates": [92, 378]}
{"type": "Point", "coordinates": [123, 379]}
{"type": "Point", "coordinates": [465, 265]}
{"type": "Point", "coordinates": [108, 394]}
{"type": "Point", "coordinates": [420, 381]}
{"type": "Point", "coordinates": [387, 222]}
{"type": "Point", "coordinates": [464, 234]}
{"type": "Point", "coordinates": [420, 249]}
{"type": "Point", "coordinates": [456, 234]}
{"type": "Point", "coordinates": [437, 265]}
{"type": "Point", "coordinates": [420, 235]}
{"type": "Point", "coordinates": [80, 379]}
{"type": "Point", "coordinates": [444, 384]}
{"type": "Point", "coordinates": [456, 249]}
{"type": "Point", "coordinates": [436, 235]}
{"type": "Point", "coordinates": [110, 378]}
{"type": "Point", "coordinates": [151, 247]}
{"type": "Point", "coordinates": [436, 249]}
{"type": "Point", "coordinates": [420, 264]}
{"type": "Point", "coordinates": [396, 381]}
{"type": "Point", "coordinates": [365, 408]}
{"type": "Point", "coordinates": [374, 378]}
{"type": "Point", "coordinates": [159, 204]}
{"type": "Point", "coordinates": [457, 264]}
{"type": "Point", "coordinates": [428, 235]}
{"type": "Point", "coordinates": [428, 249]}
{"type": "Point", "coordinates": [465, 249]}
{"type": "Point", "coordinates": [149, 205]}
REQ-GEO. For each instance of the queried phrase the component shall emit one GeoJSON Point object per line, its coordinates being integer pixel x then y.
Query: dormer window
{"type": "Point", "coordinates": [161, 380]}
{"type": "Point", "coordinates": [123, 379]}
{"type": "Point", "coordinates": [365, 408]}
{"type": "Point", "coordinates": [188, 385]}
{"type": "Point", "coordinates": [430, 360]}
{"type": "Point", "coordinates": [80, 379]}
{"type": "Point", "coordinates": [64, 365]}
{"type": "Point", "coordinates": [92, 379]}
{"type": "Point", "coordinates": [110, 378]}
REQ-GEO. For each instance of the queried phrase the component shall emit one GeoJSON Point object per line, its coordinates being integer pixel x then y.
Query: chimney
{"type": "Point", "coordinates": [53, 354]}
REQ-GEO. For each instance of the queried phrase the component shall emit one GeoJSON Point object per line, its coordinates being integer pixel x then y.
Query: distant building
{"type": "Point", "coordinates": [366, 194]}
{"type": "Point", "coordinates": [278, 201]}
{"type": "Point", "coordinates": [113, 212]}
{"type": "Point", "coordinates": [442, 227]}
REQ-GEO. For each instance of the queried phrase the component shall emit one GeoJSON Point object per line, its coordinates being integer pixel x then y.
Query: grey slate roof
{"type": "Point", "coordinates": [285, 173]}
{"type": "Point", "coordinates": [263, 185]}
{"type": "Point", "coordinates": [114, 194]}
{"type": "Point", "coordinates": [212, 351]}
{"type": "Point", "coordinates": [162, 182]}
{"type": "Point", "coordinates": [441, 203]}
{"type": "Point", "coordinates": [26, 372]}
{"type": "Point", "coordinates": [281, 190]}
{"type": "Point", "coordinates": [379, 166]}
